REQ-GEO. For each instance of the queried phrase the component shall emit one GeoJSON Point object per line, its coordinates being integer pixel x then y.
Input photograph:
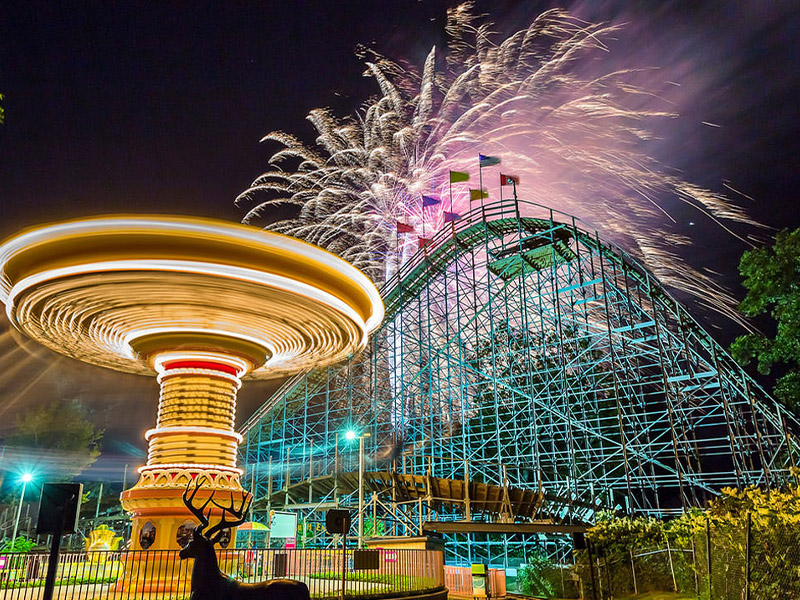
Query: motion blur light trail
{"type": "Point", "coordinates": [109, 286]}
{"type": "Point", "coordinates": [202, 303]}
{"type": "Point", "coordinates": [547, 99]}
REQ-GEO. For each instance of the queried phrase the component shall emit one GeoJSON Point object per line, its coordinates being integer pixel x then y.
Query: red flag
{"type": "Point", "coordinates": [422, 242]}
{"type": "Point", "coordinates": [509, 179]}
{"type": "Point", "coordinates": [404, 228]}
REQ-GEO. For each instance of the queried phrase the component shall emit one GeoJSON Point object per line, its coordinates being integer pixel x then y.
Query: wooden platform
{"type": "Point", "coordinates": [510, 502]}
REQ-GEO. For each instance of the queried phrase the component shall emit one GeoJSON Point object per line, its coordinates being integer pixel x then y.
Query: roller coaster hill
{"type": "Point", "coordinates": [527, 375]}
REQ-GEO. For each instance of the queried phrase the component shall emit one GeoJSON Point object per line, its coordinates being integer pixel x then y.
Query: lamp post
{"type": "Point", "coordinates": [25, 479]}
{"type": "Point", "coordinates": [351, 435]}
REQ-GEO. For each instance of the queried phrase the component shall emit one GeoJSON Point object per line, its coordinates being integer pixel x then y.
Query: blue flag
{"type": "Point", "coordinates": [449, 217]}
{"type": "Point", "coordinates": [488, 161]}
{"type": "Point", "coordinates": [429, 201]}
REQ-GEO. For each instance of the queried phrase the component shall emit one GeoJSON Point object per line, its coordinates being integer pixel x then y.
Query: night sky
{"type": "Point", "coordinates": [159, 107]}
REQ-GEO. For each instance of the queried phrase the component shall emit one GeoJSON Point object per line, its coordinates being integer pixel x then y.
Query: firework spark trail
{"type": "Point", "coordinates": [540, 100]}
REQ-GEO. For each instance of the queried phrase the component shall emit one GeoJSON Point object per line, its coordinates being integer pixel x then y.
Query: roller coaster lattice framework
{"type": "Point", "coordinates": [538, 362]}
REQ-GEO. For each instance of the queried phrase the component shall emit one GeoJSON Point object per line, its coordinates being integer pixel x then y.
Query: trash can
{"type": "Point", "coordinates": [480, 581]}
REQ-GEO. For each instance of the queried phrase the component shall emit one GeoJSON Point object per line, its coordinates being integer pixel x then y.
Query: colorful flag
{"type": "Point", "coordinates": [509, 179]}
{"type": "Point", "coordinates": [488, 161]}
{"type": "Point", "coordinates": [449, 217]}
{"type": "Point", "coordinates": [422, 242]}
{"type": "Point", "coordinates": [478, 194]}
{"type": "Point", "coordinates": [456, 176]}
{"type": "Point", "coordinates": [429, 201]}
{"type": "Point", "coordinates": [404, 228]}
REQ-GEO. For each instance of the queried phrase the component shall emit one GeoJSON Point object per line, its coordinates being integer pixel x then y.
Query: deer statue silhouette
{"type": "Point", "coordinates": [208, 582]}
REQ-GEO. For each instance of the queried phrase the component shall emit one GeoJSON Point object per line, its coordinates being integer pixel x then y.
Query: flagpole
{"type": "Point", "coordinates": [452, 223]}
{"type": "Point", "coordinates": [480, 188]}
{"type": "Point", "coordinates": [422, 214]}
{"type": "Point", "coordinates": [450, 183]}
{"type": "Point", "coordinates": [516, 201]}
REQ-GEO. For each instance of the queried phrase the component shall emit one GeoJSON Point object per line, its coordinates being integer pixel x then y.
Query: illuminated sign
{"type": "Point", "coordinates": [283, 524]}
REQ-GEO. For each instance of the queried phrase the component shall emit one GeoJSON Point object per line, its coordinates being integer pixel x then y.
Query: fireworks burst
{"type": "Point", "coordinates": [540, 100]}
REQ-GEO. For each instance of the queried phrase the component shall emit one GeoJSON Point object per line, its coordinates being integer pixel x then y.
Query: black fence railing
{"type": "Point", "coordinates": [161, 574]}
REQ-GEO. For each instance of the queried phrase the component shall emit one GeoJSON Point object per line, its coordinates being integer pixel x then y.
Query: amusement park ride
{"type": "Point", "coordinates": [527, 374]}
{"type": "Point", "coordinates": [200, 303]}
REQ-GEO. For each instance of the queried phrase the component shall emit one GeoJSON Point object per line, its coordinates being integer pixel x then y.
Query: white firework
{"type": "Point", "coordinates": [543, 100]}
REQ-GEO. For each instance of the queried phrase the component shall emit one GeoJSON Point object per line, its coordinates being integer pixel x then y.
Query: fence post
{"type": "Point", "coordinates": [671, 566]}
{"type": "Point", "coordinates": [747, 559]}
{"type": "Point", "coordinates": [599, 578]}
{"type": "Point", "coordinates": [694, 565]}
{"type": "Point", "coordinates": [633, 572]}
{"type": "Point", "coordinates": [708, 557]}
{"type": "Point", "coordinates": [591, 569]}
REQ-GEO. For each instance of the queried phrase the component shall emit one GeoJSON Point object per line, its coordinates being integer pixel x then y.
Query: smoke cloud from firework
{"type": "Point", "coordinates": [550, 100]}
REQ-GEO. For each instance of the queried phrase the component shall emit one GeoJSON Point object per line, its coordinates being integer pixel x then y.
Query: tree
{"type": "Point", "coordinates": [772, 279]}
{"type": "Point", "coordinates": [60, 435]}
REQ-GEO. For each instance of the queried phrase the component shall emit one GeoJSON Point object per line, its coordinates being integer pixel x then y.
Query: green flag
{"type": "Point", "coordinates": [456, 176]}
{"type": "Point", "coordinates": [478, 194]}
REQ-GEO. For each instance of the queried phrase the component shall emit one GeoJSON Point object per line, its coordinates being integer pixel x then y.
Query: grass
{"type": "Point", "coordinates": [658, 596]}
{"type": "Point", "coordinates": [406, 581]}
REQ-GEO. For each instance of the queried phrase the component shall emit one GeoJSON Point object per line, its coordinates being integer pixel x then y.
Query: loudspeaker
{"type": "Point", "coordinates": [279, 565]}
{"type": "Point", "coordinates": [366, 560]}
{"type": "Point", "coordinates": [578, 541]}
{"type": "Point", "coordinates": [337, 521]}
{"type": "Point", "coordinates": [59, 507]}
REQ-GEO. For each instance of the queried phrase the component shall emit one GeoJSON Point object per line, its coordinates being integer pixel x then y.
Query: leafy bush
{"type": "Point", "coordinates": [60, 581]}
{"type": "Point", "coordinates": [774, 548]}
{"type": "Point", "coordinates": [20, 544]}
{"type": "Point", "coordinates": [400, 581]}
{"type": "Point", "coordinates": [534, 578]}
{"type": "Point", "coordinates": [774, 542]}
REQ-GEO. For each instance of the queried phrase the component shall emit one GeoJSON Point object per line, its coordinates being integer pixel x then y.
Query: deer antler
{"type": "Point", "coordinates": [188, 500]}
{"type": "Point", "coordinates": [223, 524]}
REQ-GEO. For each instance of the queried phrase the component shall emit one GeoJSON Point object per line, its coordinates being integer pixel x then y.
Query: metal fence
{"type": "Point", "coordinates": [458, 581]}
{"type": "Point", "coordinates": [161, 574]}
{"type": "Point", "coordinates": [725, 561]}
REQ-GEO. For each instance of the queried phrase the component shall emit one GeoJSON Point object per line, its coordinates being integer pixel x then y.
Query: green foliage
{"type": "Point", "coordinates": [772, 279]}
{"type": "Point", "coordinates": [535, 578]}
{"type": "Point", "coordinates": [20, 544]}
{"type": "Point", "coordinates": [612, 536]}
{"type": "Point", "coordinates": [62, 427]}
{"type": "Point", "coordinates": [774, 547]}
{"type": "Point", "coordinates": [404, 582]}
{"type": "Point", "coordinates": [774, 541]}
{"type": "Point", "coordinates": [373, 528]}
{"type": "Point", "coordinates": [61, 581]}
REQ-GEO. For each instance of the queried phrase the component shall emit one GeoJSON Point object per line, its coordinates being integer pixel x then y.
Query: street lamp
{"type": "Point", "coordinates": [351, 435]}
{"type": "Point", "coordinates": [26, 477]}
